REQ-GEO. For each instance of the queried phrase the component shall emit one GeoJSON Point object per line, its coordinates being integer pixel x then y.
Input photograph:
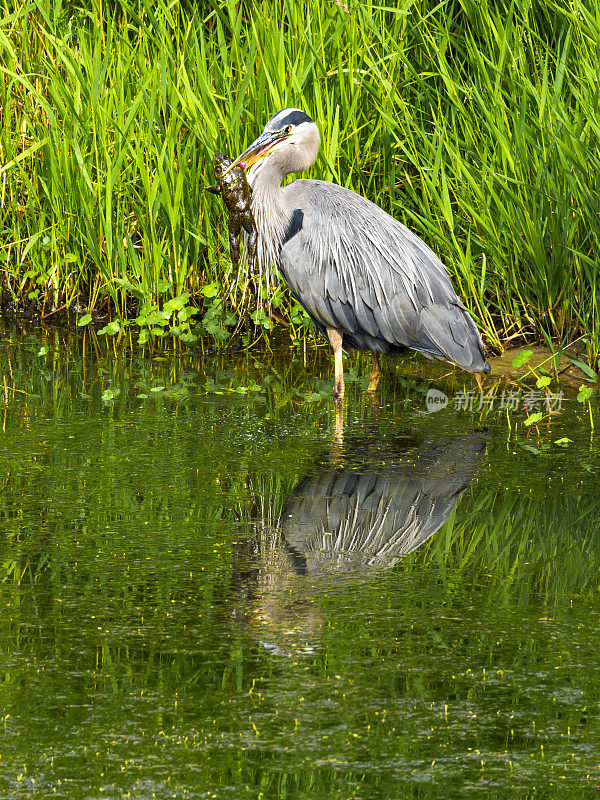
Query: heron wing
{"type": "Point", "coordinates": [354, 267]}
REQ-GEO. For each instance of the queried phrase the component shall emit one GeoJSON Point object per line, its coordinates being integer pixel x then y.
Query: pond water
{"type": "Point", "coordinates": [208, 592]}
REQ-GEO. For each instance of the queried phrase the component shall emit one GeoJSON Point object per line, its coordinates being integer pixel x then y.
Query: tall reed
{"type": "Point", "coordinates": [476, 123]}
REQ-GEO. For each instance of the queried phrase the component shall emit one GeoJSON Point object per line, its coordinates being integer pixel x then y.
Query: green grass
{"type": "Point", "coordinates": [476, 123]}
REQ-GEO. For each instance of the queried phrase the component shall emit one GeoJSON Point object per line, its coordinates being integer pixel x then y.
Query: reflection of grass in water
{"type": "Point", "coordinates": [525, 549]}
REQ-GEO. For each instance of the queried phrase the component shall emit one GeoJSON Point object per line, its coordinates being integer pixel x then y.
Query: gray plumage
{"type": "Point", "coordinates": [354, 268]}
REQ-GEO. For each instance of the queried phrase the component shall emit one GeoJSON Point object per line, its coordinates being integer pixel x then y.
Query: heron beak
{"type": "Point", "coordinates": [257, 150]}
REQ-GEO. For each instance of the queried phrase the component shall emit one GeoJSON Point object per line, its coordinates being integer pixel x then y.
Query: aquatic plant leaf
{"type": "Point", "coordinates": [533, 419]}
{"type": "Point", "coordinates": [585, 392]}
{"type": "Point", "coordinates": [523, 358]}
{"type": "Point", "coordinates": [188, 338]}
{"type": "Point", "coordinates": [185, 313]}
{"type": "Point", "coordinates": [85, 320]}
{"type": "Point", "coordinates": [535, 450]}
{"type": "Point", "coordinates": [111, 329]}
{"type": "Point", "coordinates": [155, 317]}
{"type": "Point", "coordinates": [210, 290]}
{"type": "Point", "coordinates": [108, 395]}
{"type": "Point", "coordinates": [129, 287]}
{"type": "Point", "coordinates": [587, 370]}
{"type": "Point", "coordinates": [177, 303]}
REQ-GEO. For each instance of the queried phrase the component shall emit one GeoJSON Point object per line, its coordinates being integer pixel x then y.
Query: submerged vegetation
{"type": "Point", "coordinates": [477, 124]}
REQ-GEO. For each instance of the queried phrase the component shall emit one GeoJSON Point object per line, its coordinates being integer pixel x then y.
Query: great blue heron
{"type": "Point", "coordinates": [366, 281]}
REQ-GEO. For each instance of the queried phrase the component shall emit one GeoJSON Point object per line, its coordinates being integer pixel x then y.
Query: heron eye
{"type": "Point", "coordinates": [287, 129]}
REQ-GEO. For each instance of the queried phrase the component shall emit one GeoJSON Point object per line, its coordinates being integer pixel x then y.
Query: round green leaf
{"type": "Point", "coordinates": [533, 419]}
{"type": "Point", "coordinates": [108, 395]}
{"type": "Point", "coordinates": [522, 359]}
{"type": "Point", "coordinates": [585, 392]}
{"type": "Point", "coordinates": [210, 290]}
{"type": "Point", "coordinates": [111, 329]}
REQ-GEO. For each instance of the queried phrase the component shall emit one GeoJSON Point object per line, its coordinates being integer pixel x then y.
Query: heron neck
{"type": "Point", "coordinates": [271, 215]}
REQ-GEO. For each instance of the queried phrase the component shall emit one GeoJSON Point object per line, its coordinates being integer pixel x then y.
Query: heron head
{"type": "Point", "coordinates": [290, 143]}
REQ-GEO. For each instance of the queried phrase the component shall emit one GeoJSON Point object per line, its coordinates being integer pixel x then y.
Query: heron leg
{"type": "Point", "coordinates": [480, 379]}
{"type": "Point", "coordinates": [335, 340]}
{"type": "Point", "coordinates": [375, 375]}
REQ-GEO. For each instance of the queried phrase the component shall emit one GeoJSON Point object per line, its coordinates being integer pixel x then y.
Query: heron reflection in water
{"type": "Point", "coordinates": [352, 514]}
{"type": "Point", "coordinates": [366, 281]}
{"type": "Point", "coordinates": [340, 517]}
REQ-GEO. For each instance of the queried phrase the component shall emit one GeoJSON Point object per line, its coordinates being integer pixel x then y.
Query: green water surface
{"type": "Point", "coordinates": [206, 593]}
